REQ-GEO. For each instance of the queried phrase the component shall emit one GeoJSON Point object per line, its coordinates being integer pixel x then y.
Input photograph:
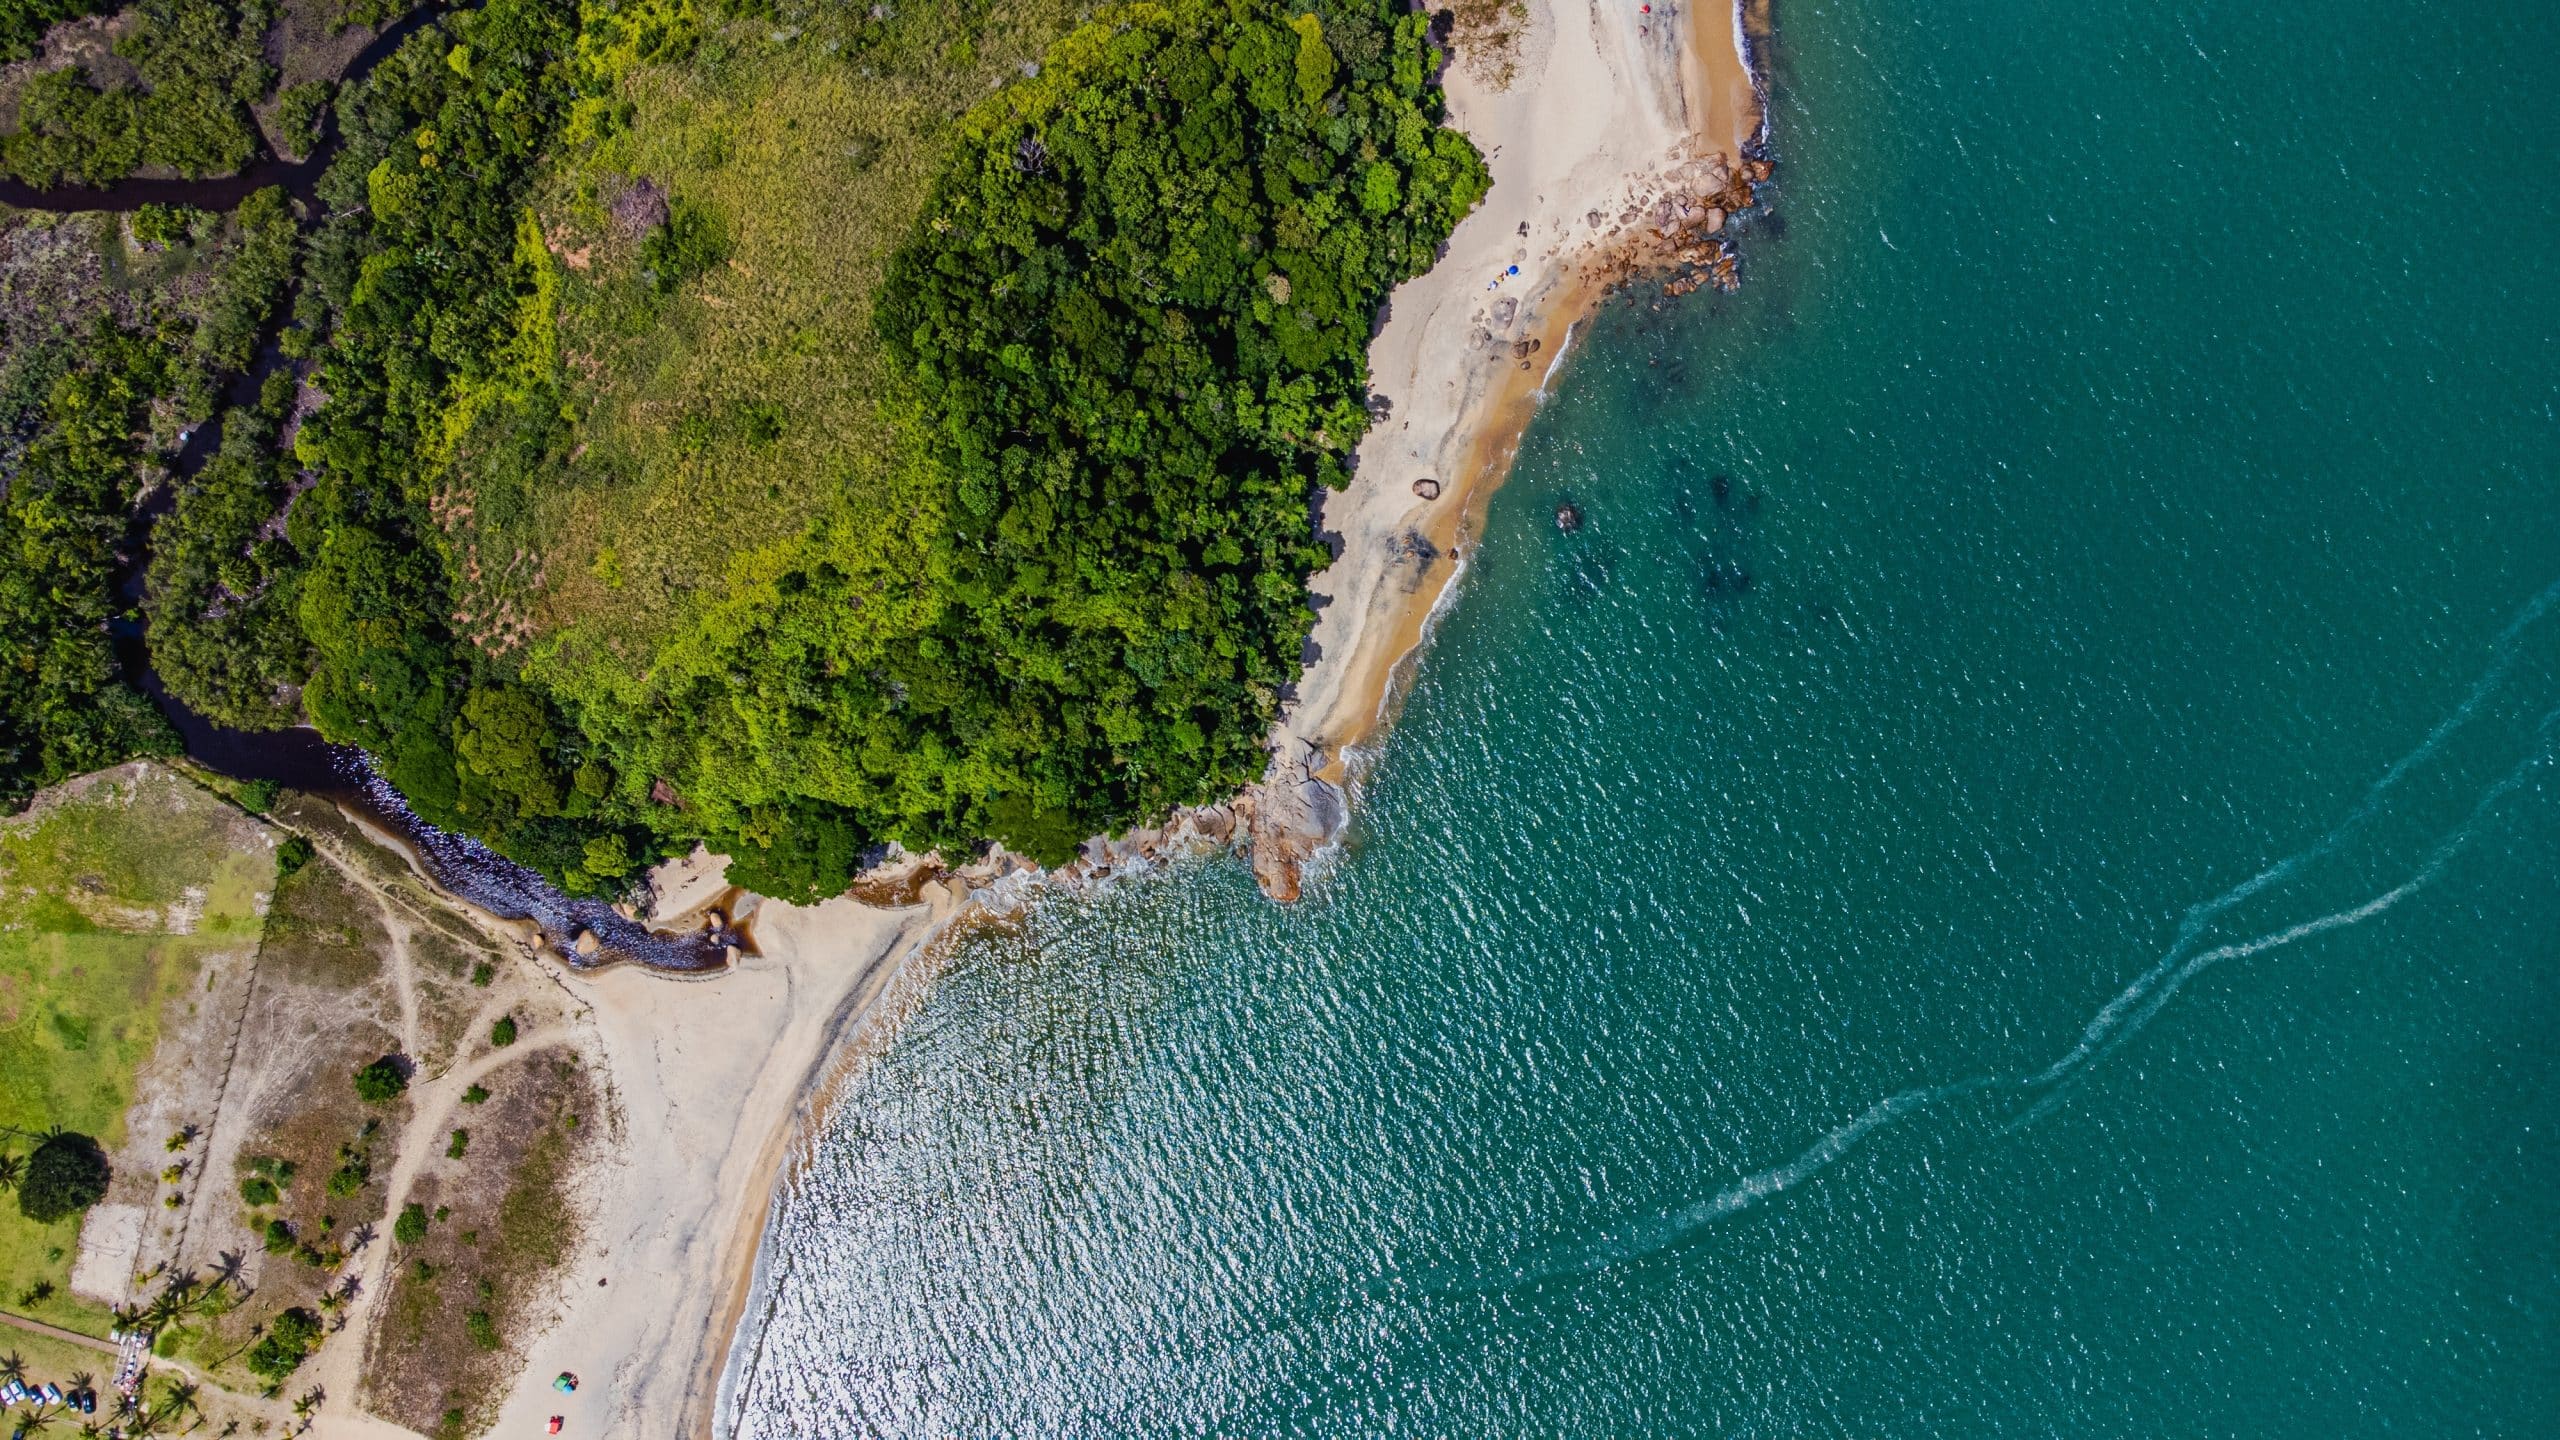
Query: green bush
{"type": "Point", "coordinates": [23, 22]}
{"type": "Point", "coordinates": [302, 115]}
{"type": "Point", "coordinates": [259, 796]}
{"type": "Point", "coordinates": [290, 1339]}
{"type": "Point", "coordinates": [383, 1081]}
{"type": "Point", "coordinates": [411, 1227]}
{"type": "Point", "coordinates": [278, 1237]}
{"type": "Point", "coordinates": [256, 1190]}
{"type": "Point", "coordinates": [455, 1148]}
{"type": "Point", "coordinates": [164, 225]}
{"type": "Point", "coordinates": [291, 856]}
{"type": "Point", "coordinates": [354, 1172]}
{"type": "Point", "coordinates": [476, 1095]}
{"type": "Point", "coordinates": [66, 1175]}
{"type": "Point", "coordinates": [482, 1330]}
{"type": "Point", "coordinates": [690, 242]}
{"type": "Point", "coordinates": [503, 1033]}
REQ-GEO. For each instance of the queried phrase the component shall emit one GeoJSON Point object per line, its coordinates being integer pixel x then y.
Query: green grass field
{"type": "Point", "coordinates": [106, 903]}
{"type": "Point", "coordinates": [717, 428]}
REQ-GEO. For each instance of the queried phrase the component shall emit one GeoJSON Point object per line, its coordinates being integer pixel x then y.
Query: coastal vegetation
{"type": "Point", "coordinates": [1012, 408]}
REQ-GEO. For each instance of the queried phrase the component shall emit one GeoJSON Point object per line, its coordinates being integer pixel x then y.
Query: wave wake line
{"type": "Point", "coordinates": [2120, 1019]}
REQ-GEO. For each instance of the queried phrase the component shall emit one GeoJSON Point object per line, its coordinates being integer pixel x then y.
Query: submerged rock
{"type": "Point", "coordinates": [1568, 516]}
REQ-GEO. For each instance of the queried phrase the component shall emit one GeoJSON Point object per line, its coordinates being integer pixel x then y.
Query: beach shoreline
{"type": "Point", "coordinates": [715, 1090]}
{"type": "Point", "coordinates": [1612, 116]}
{"type": "Point", "coordinates": [721, 1089]}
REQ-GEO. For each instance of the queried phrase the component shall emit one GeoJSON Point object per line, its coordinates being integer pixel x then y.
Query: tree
{"type": "Point", "coordinates": [383, 1081]}
{"type": "Point", "coordinates": [290, 1339]}
{"type": "Point", "coordinates": [66, 1175]}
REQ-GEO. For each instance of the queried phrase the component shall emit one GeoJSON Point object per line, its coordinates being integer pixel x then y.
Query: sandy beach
{"type": "Point", "coordinates": [1613, 110]}
{"type": "Point", "coordinates": [715, 1086]}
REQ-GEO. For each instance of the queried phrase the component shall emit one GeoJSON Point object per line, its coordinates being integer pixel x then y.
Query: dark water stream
{"type": "Point", "coordinates": [300, 178]}
{"type": "Point", "coordinates": [300, 758]}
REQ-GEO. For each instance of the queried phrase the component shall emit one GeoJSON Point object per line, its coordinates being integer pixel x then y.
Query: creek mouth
{"type": "Point", "coordinates": [300, 758]}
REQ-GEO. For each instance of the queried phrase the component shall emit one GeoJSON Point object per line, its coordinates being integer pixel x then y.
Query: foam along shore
{"type": "Point", "coordinates": [713, 1084]}
{"type": "Point", "coordinates": [1611, 111]}
{"type": "Point", "coordinates": [1613, 114]}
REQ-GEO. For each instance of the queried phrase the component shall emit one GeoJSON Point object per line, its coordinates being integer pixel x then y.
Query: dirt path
{"type": "Point", "coordinates": [73, 1337]}
{"type": "Point", "coordinates": [404, 974]}
{"type": "Point", "coordinates": [339, 1369]}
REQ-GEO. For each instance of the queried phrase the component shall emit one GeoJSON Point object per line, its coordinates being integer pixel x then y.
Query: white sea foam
{"type": "Point", "coordinates": [2121, 1018]}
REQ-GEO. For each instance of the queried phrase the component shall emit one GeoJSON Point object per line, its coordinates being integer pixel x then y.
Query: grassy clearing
{"type": "Point", "coordinates": [716, 426]}
{"type": "Point", "coordinates": [323, 931]}
{"type": "Point", "coordinates": [108, 896]}
{"type": "Point", "coordinates": [59, 1361]}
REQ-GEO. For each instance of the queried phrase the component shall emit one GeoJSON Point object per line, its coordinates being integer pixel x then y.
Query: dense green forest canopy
{"type": "Point", "coordinates": [198, 65]}
{"type": "Point", "coordinates": [1049, 578]}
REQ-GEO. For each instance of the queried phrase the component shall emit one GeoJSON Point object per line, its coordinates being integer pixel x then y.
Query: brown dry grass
{"type": "Point", "coordinates": [1486, 36]}
{"type": "Point", "coordinates": [508, 1224]}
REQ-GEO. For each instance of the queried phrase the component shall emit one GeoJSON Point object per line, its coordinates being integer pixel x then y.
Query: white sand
{"type": "Point", "coordinates": [713, 1083]}
{"type": "Point", "coordinates": [1610, 106]}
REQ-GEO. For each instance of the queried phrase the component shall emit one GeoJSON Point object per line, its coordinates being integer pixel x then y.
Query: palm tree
{"type": "Point", "coordinates": [13, 1366]}
{"type": "Point", "coordinates": [13, 1168]}
{"type": "Point", "coordinates": [178, 1399]}
{"type": "Point", "coordinates": [165, 1307]}
{"type": "Point", "coordinates": [227, 1267]}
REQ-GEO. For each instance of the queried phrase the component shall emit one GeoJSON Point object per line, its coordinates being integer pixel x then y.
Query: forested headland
{"type": "Point", "coordinates": [785, 427]}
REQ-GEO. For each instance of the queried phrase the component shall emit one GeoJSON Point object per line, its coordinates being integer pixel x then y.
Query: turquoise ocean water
{"type": "Point", "coordinates": [2034, 912]}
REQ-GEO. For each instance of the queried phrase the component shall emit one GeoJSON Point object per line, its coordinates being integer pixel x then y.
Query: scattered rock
{"type": "Point", "coordinates": [1715, 219]}
{"type": "Point", "coordinates": [587, 943]}
{"type": "Point", "coordinates": [638, 208]}
{"type": "Point", "coordinates": [1427, 488]}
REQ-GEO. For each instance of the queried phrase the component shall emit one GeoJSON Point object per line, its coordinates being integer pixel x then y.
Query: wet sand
{"type": "Point", "coordinates": [1612, 111]}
